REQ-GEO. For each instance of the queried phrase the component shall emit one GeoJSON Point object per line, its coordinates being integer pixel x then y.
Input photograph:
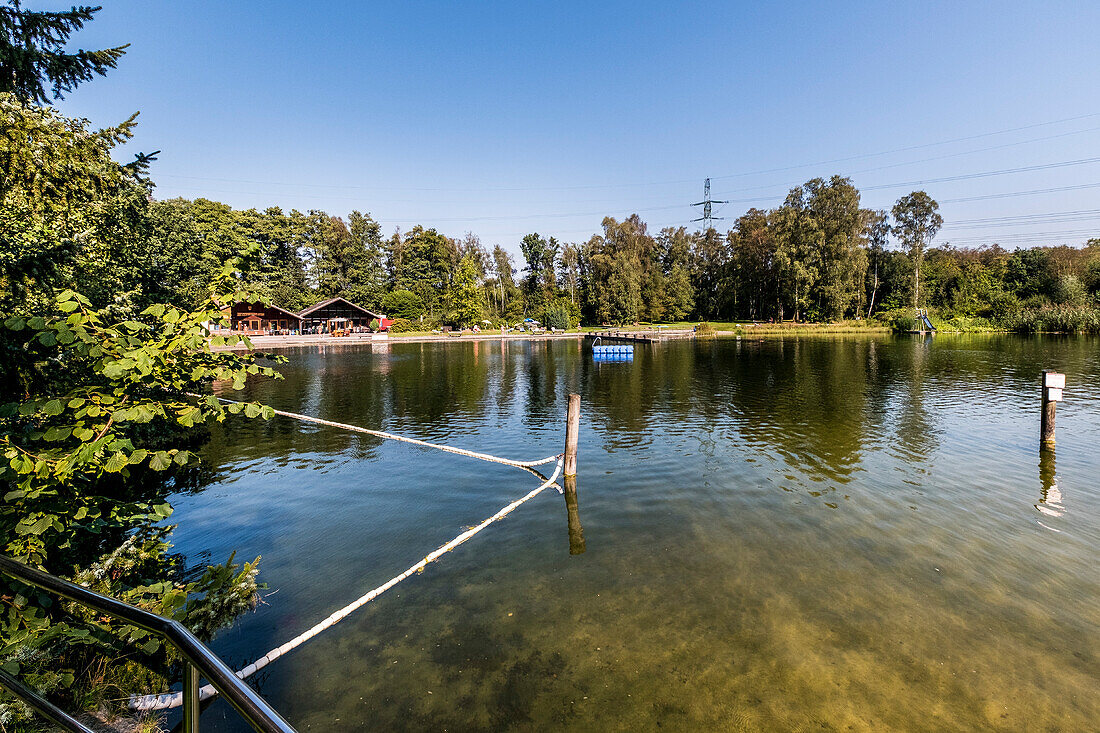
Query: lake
{"type": "Point", "coordinates": [851, 533]}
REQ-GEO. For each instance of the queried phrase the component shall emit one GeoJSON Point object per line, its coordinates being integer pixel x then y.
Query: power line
{"type": "Point", "coordinates": [920, 147]}
{"type": "Point", "coordinates": [902, 164]}
{"type": "Point", "coordinates": [948, 179]}
{"type": "Point", "coordinates": [671, 182]}
{"type": "Point", "coordinates": [1025, 237]}
{"type": "Point", "coordinates": [1027, 217]}
{"type": "Point", "coordinates": [885, 186]}
{"type": "Point", "coordinates": [1012, 194]}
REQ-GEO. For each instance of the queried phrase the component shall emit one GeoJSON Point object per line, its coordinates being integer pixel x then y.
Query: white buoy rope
{"type": "Point", "coordinates": [175, 699]}
{"type": "Point", "coordinates": [403, 439]}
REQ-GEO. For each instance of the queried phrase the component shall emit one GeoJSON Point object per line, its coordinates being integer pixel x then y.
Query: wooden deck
{"type": "Point", "coordinates": [644, 336]}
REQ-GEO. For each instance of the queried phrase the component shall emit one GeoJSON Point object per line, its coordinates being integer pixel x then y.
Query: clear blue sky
{"type": "Point", "coordinates": [504, 118]}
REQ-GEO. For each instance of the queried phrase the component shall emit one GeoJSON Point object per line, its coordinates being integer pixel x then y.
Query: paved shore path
{"type": "Point", "coordinates": [361, 339]}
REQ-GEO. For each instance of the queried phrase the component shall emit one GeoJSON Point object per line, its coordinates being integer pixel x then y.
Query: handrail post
{"type": "Point", "coordinates": [190, 698]}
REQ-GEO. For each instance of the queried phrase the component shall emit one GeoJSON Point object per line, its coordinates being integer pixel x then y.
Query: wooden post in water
{"type": "Point", "coordinates": [572, 428]}
{"type": "Point", "coordinates": [1053, 384]}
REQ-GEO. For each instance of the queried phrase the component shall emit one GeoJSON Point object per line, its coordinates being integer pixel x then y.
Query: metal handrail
{"type": "Point", "coordinates": [198, 659]}
{"type": "Point", "coordinates": [41, 705]}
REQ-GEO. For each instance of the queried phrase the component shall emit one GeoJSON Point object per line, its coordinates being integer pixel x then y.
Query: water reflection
{"type": "Point", "coordinates": [572, 511]}
{"type": "Point", "coordinates": [865, 501]}
{"type": "Point", "coordinates": [1050, 498]}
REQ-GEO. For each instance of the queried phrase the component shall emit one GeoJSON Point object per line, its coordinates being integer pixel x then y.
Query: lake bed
{"type": "Point", "coordinates": [850, 532]}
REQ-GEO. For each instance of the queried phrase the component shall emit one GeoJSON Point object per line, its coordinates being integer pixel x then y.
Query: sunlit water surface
{"type": "Point", "coordinates": [841, 533]}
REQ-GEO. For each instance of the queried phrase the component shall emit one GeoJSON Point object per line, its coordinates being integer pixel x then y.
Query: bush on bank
{"type": "Point", "coordinates": [90, 455]}
{"type": "Point", "coordinates": [1042, 317]}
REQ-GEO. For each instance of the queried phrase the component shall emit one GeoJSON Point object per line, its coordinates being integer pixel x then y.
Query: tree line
{"type": "Point", "coordinates": [819, 256]}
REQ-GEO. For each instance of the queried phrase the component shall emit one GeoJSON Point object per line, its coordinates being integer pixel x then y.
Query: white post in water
{"type": "Point", "coordinates": [1053, 384]}
{"type": "Point", "coordinates": [572, 428]}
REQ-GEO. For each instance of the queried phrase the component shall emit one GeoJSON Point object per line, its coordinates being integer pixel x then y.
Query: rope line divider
{"type": "Point", "coordinates": [170, 700]}
{"type": "Point", "coordinates": [403, 439]}
{"type": "Point", "coordinates": [175, 699]}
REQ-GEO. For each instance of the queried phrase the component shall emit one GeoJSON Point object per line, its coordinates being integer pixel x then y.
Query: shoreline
{"type": "Point", "coordinates": [261, 343]}
{"type": "Point", "coordinates": [275, 342]}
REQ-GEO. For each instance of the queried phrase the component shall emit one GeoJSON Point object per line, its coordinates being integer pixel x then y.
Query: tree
{"type": "Point", "coordinates": [569, 271]}
{"type": "Point", "coordinates": [403, 304]}
{"type": "Point", "coordinates": [797, 254]}
{"type": "Point", "coordinates": [541, 254]}
{"type": "Point", "coordinates": [916, 222]}
{"type": "Point", "coordinates": [370, 278]}
{"type": "Point", "coordinates": [611, 271]}
{"type": "Point", "coordinates": [673, 253]}
{"type": "Point", "coordinates": [465, 294]}
{"type": "Point", "coordinates": [833, 206]}
{"type": "Point", "coordinates": [283, 273]}
{"type": "Point", "coordinates": [504, 271]}
{"type": "Point", "coordinates": [877, 228]}
{"type": "Point", "coordinates": [424, 261]}
{"type": "Point", "coordinates": [709, 268]}
{"type": "Point", "coordinates": [65, 204]}
{"type": "Point", "coordinates": [752, 266]}
{"type": "Point", "coordinates": [33, 56]}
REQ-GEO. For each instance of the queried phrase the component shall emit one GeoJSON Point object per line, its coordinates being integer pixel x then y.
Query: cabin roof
{"type": "Point", "coordinates": [291, 314]}
{"type": "Point", "coordinates": [333, 301]}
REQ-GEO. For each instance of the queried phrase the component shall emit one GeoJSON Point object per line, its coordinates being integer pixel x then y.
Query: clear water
{"type": "Point", "coordinates": [816, 533]}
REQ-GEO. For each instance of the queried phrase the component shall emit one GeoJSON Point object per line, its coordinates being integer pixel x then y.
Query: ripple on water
{"type": "Point", "coordinates": [828, 533]}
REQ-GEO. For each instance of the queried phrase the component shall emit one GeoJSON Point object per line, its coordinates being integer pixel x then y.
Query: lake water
{"type": "Point", "coordinates": [808, 533]}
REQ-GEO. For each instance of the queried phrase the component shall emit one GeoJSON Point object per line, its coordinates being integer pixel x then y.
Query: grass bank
{"type": "Point", "coordinates": [741, 328]}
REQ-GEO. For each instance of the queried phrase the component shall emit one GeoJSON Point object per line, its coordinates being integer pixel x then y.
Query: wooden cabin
{"type": "Point", "coordinates": [256, 319]}
{"type": "Point", "coordinates": [337, 315]}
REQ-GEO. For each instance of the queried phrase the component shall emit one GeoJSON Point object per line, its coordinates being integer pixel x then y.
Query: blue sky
{"type": "Point", "coordinates": [506, 118]}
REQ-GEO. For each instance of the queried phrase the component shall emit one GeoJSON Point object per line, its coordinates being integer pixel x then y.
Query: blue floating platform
{"type": "Point", "coordinates": [613, 353]}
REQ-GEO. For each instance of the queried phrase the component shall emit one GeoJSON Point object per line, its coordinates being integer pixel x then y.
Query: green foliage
{"type": "Point", "coordinates": [69, 214]}
{"type": "Point", "coordinates": [556, 316]}
{"type": "Point", "coordinates": [540, 254]}
{"type": "Point", "coordinates": [403, 304]}
{"type": "Point", "coordinates": [917, 221]}
{"type": "Point", "coordinates": [1058, 319]}
{"type": "Point", "coordinates": [84, 458]}
{"type": "Point", "coordinates": [423, 261]}
{"type": "Point", "coordinates": [1003, 307]}
{"type": "Point", "coordinates": [465, 295]}
{"type": "Point", "coordinates": [347, 258]}
{"type": "Point", "coordinates": [33, 52]}
{"type": "Point", "coordinates": [614, 265]}
{"type": "Point", "coordinates": [1030, 272]}
{"type": "Point", "coordinates": [403, 325]}
{"type": "Point", "coordinates": [900, 320]}
{"type": "Point", "coordinates": [1091, 275]}
{"type": "Point", "coordinates": [1070, 291]}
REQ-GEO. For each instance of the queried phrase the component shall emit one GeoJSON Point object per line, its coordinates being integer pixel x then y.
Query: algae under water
{"type": "Point", "coordinates": [839, 533]}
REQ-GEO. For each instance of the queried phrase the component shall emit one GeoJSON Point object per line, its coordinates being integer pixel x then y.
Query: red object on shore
{"type": "Point", "coordinates": [384, 324]}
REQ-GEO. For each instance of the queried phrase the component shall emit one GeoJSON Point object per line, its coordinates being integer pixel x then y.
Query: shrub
{"type": "Point", "coordinates": [403, 304]}
{"type": "Point", "coordinates": [403, 325]}
{"type": "Point", "coordinates": [1092, 277]}
{"type": "Point", "coordinates": [705, 329]}
{"type": "Point", "coordinates": [1058, 319]}
{"type": "Point", "coordinates": [1070, 291]}
{"type": "Point", "coordinates": [1003, 307]}
{"type": "Point", "coordinates": [556, 316]}
{"type": "Point", "coordinates": [375, 324]}
{"type": "Point", "coordinates": [900, 320]}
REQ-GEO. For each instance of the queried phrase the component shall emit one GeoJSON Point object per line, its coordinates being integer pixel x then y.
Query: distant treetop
{"type": "Point", "coordinates": [33, 56]}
